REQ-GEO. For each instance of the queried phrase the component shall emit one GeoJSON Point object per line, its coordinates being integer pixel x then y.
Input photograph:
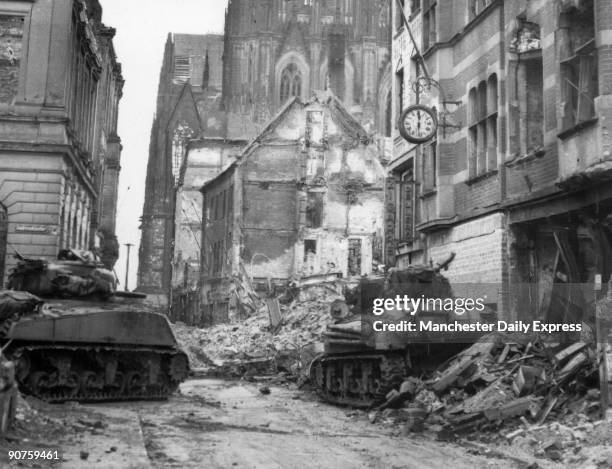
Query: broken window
{"type": "Point", "coordinates": [482, 154]}
{"type": "Point", "coordinates": [315, 164]}
{"type": "Point", "coordinates": [181, 134]}
{"type": "Point", "coordinates": [11, 39]}
{"type": "Point", "coordinates": [310, 255]}
{"type": "Point", "coordinates": [314, 127]}
{"type": "Point", "coordinates": [579, 85]}
{"type": "Point", "coordinates": [429, 23]}
{"type": "Point", "coordinates": [531, 106]}
{"type": "Point", "coordinates": [310, 247]}
{"type": "Point", "coordinates": [291, 83]}
{"type": "Point", "coordinates": [314, 210]}
{"type": "Point", "coordinates": [354, 257]}
{"type": "Point", "coordinates": [428, 167]}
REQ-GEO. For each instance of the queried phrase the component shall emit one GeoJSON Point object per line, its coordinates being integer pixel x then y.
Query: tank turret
{"type": "Point", "coordinates": [74, 337]}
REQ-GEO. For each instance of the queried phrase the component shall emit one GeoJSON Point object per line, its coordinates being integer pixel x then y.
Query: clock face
{"type": "Point", "coordinates": [418, 124]}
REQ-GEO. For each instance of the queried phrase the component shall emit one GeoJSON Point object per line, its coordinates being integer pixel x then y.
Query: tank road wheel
{"type": "Point", "coordinates": [117, 387]}
{"type": "Point", "coordinates": [39, 382]}
{"type": "Point", "coordinates": [91, 383]}
{"type": "Point", "coordinates": [134, 383]}
{"type": "Point", "coordinates": [72, 385]}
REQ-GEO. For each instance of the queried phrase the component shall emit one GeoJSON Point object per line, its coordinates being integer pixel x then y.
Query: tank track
{"type": "Point", "coordinates": [98, 373]}
{"type": "Point", "coordinates": [357, 380]}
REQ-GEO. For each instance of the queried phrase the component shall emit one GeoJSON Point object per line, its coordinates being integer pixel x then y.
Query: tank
{"type": "Point", "coordinates": [360, 367]}
{"type": "Point", "coordinates": [74, 337]}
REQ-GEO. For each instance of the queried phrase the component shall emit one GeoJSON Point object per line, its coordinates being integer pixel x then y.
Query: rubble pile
{"type": "Point", "coordinates": [258, 345]}
{"type": "Point", "coordinates": [502, 381]}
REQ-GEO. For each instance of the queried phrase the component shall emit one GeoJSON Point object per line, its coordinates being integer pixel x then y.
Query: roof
{"type": "Point", "coordinates": [339, 113]}
{"type": "Point", "coordinates": [219, 176]}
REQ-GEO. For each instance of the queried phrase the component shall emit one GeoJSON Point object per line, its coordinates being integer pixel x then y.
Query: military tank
{"type": "Point", "coordinates": [359, 367]}
{"type": "Point", "coordinates": [74, 337]}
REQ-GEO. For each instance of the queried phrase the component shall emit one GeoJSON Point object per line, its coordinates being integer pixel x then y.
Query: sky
{"type": "Point", "coordinates": [142, 28]}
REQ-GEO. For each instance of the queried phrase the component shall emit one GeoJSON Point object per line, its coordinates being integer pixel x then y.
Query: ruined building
{"type": "Point", "coordinates": [304, 198]}
{"type": "Point", "coordinates": [60, 86]}
{"type": "Point", "coordinates": [517, 181]}
{"type": "Point", "coordinates": [271, 52]}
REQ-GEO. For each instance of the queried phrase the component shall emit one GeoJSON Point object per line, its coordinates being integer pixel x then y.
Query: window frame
{"type": "Point", "coordinates": [429, 27]}
{"type": "Point", "coordinates": [483, 121]}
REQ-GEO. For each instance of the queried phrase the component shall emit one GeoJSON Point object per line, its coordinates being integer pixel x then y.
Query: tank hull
{"type": "Point", "coordinates": [99, 355]}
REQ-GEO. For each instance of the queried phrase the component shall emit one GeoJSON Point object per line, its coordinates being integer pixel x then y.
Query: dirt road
{"type": "Point", "coordinates": [225, 424]}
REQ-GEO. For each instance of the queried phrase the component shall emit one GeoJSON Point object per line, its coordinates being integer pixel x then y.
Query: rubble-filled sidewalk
{"type": "Point", "coordinates": [510, 393]}
{"type": "Point", "coordinates": [256, 346]}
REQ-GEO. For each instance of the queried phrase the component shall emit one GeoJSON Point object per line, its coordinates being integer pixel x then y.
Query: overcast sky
{"type": "Point", "coordinates": [142, 28]}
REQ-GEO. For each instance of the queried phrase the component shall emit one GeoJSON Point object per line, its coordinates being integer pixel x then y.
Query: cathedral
{"type": "Point", "coordinates": [277, 49]}
{"type": "Point", "coordinates": [220, 91]}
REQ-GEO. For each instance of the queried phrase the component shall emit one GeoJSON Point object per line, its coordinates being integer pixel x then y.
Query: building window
{"type": "Point", "coordinates": [315, 131]}
{"type": "Point", "coordinates": [476, 7]}
{"type": "Point", "coordinates": [483, 127]}
{"type": "Point", "coordinates": [354, 257]}
{"type": "Point", "coordinates": [429, 24]}
{"type": "Point", "coordinates": [182, 133]}
{"type": "Point", "coordinates": [291, 83]}
{"type": "Point", "coordinates": [315, 165]}
{"type": "Point", "coordinates": [182, 69]}
{"type": "Point", "coordinates": [526, 100]}
{"type": "Point", "coordinates": [405, 203]}
{"type": "Point", "coordinates": [429, 166]}
{"type": "Point", "coordinates": [11, 41]}
{"type": "Point", "coordinates": [579, 84]}
{"type": "Point", "coordinates": [314, 210]}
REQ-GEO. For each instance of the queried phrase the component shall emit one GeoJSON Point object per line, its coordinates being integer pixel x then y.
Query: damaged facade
{"type": "Point", "coordinates": [60, 86]}
{"type": "Point", "coordinates": [515, 182]}
{"type": "Point", "coordinates": [271, 52]}
{"type": "Point", "coordinates": [304, 198]}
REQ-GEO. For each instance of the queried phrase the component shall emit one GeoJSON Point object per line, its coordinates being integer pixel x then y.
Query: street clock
{"type": "Point", "coordinates": [418, 123]}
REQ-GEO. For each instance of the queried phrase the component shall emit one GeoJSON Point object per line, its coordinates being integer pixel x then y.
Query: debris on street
{"type": "Point", "coordinates": [282, 335]}
{"type": "Point", "coordinates": [507, 390]}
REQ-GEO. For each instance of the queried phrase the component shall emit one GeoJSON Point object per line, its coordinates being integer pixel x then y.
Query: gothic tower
{"type": "Point", "coordinates": [276, 49]}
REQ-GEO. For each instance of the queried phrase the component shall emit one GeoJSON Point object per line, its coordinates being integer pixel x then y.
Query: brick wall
{"type": "Point", "coordinates": [479, 247]}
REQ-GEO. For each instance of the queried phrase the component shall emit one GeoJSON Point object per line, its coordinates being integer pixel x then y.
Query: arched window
{"type": "Point", "coordinates": [291, 83]}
